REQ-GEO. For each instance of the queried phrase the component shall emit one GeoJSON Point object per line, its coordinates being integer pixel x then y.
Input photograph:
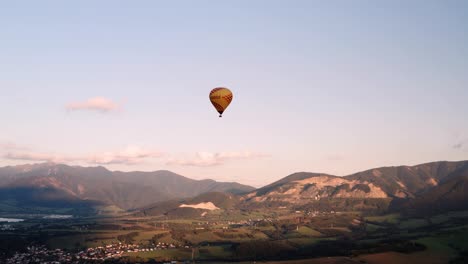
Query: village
{"type": "Point", "coordinates": [120, 249]}
{"type": "Point", "coordinates": [40, 254]}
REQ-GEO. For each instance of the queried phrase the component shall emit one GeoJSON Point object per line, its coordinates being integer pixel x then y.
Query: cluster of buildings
{"type": "Point", "coordinates": [6, 227]}
{"type": "Point", "coordinates": [317, 213]}
{"type": "Point", "coordinates": [40, 254]}
{"type": "Point", "coordinates": [103, 253]}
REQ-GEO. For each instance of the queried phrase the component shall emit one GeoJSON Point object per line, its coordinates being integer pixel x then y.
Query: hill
{"type": "Point", "coordinates": [442, 183]}
{"type": "Point", "coordinates": [450, 195]}
{"type": "Point", "coordinates": [192, 207]}
{"type": "Point", "coordinates": [409, 181]}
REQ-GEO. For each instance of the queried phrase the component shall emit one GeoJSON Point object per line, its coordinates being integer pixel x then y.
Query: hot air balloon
{"type": "Point", "coordinates": [220, 98]}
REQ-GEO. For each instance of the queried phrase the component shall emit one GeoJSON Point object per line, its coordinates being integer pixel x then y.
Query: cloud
{"type": "Point", "coordinates": [13, 151]}
{"type": "Point", "coordinates": [130, 156]}
{"type": "Point", "coordinates": [458, 145]}
{"type": "Point", "coordinates": [99, 104]}
{"type": "Point", "coordinates": [33, 156]}
{"type": "Point", "coordinates": [208, 159]}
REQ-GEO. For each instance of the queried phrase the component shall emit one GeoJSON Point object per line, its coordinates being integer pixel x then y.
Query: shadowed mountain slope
{"type": "Point", "coordinates": [54, 183]}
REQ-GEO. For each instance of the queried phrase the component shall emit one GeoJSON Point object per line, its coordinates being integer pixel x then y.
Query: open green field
{"type": "Point", "coordinates": [448, 243]}
{"type": "Point", "coordinates": [213, 252]}
{"type": "Point", "coordinates": [146, 236]}
{"type": "Point", "coordinates": [389, 218]}
{"type": "Point", "coordinates": [374, 238]}
{"type": "Point", "coordinates": [413, 223]}
{"type": "Point", "coordinates": [307, 231]}
{"type": "Point", "coordinates": [161, 255]}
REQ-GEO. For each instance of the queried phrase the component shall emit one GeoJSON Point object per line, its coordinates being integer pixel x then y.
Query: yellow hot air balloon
{"type": "Point", "coordinates": [220, 98]}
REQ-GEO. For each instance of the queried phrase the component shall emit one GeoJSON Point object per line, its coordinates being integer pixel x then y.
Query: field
{"type": "Point", "coordinates": [390, 218]}
{"type": "Point", "coordinates": [331, 237]}
{"type": "Point", "coordinates": [161, 255]}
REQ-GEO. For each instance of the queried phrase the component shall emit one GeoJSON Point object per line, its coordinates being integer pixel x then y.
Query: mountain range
{"type": "Point", "coordinates": [430, 187]}
{"type": "Point", "coordinates": [426, 188]}
{"type": "Point", "coordinates": [50, 185]}
{"type": "Point", "coordinates": [385, 182]}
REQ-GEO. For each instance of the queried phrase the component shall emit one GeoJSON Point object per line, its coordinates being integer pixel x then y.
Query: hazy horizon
{"type": "Point", "coordinates": [335, 87]}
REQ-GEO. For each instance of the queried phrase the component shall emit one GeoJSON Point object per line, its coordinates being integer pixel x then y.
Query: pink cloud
{"type": "Point", "coordinates": [99, 104]}
{"type": "Point", "coordinates": [208, 159]}
{"type": "Point", "coordinates": [129, 156]}
{"type": "Point", "coordinates": [13, 151]}
{"type": "Point", "coordinates": [33, 156]}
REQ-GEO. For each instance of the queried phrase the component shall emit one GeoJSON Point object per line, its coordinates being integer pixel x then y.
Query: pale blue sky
{"type": "Point", "coordinates": [323, 86]}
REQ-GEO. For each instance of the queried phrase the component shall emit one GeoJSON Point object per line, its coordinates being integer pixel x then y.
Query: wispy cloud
{"type": "Point", "coordinates": [130, 156]}
{"type": "Point", "coordinates": [35, 156]}
{"type": "Point", "coordinates": [207, 159]}
{"type": "Point", "coordinates": [13, 151]}
{"type": "Point", "coordinates": [99, 104]}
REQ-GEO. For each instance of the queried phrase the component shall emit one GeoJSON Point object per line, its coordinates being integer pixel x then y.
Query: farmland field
{"type": "Point", "coordinates": [273, 237]}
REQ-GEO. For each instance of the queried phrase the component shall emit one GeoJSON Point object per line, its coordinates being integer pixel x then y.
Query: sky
{"type": "Point", "coordinates": [321, 86]}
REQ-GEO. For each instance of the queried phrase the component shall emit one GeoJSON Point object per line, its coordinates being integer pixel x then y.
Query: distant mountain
{"type": "Point", "coordinates": [56, 185]}
{"type": "Point", "coordinates": [409, 186]}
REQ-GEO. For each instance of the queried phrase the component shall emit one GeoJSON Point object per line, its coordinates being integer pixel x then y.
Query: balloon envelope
{"type": "Point", "coordinates": [220, 98]}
